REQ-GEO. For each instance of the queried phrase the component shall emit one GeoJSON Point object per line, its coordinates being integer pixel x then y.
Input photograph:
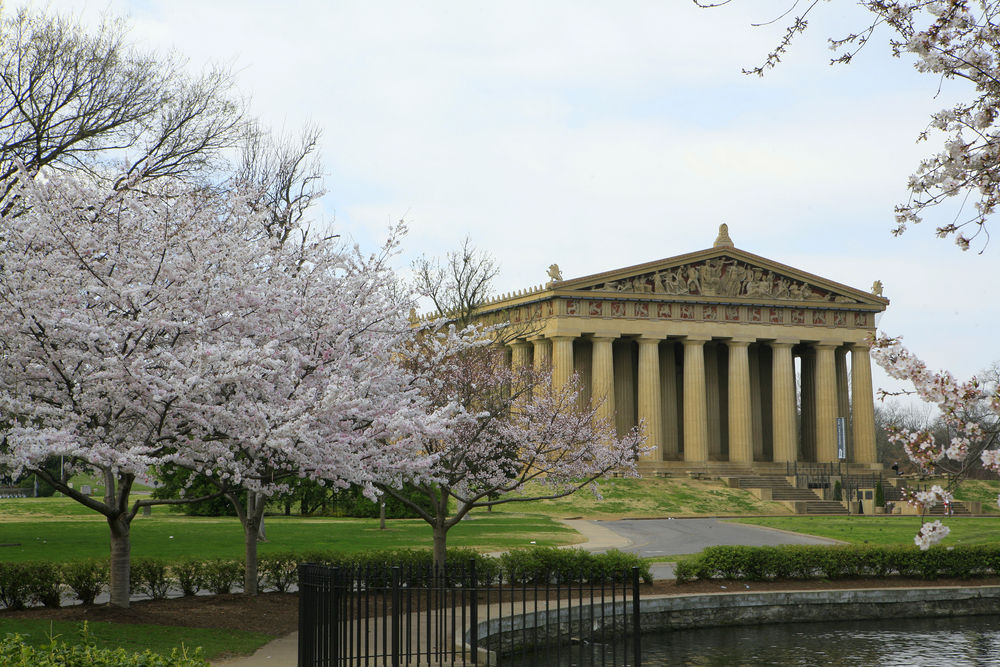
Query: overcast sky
{"type": "Point", "coordinates": [597, 135]}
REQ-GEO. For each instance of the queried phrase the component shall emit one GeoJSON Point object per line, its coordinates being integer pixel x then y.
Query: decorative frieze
{"type": "Point", "coordinates": [731, 313]}
{"type": "Point", "coordinates": [722, 276]}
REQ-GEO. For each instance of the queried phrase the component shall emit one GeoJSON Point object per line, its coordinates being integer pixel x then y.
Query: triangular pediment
{"type": "Point", "coordinates": [725, 273]}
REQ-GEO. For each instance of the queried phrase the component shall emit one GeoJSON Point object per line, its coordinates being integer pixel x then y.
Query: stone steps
{"type": "Point", "coordinates": [826, 508]}
{"type": "Point", "coordinates": [958, 509]}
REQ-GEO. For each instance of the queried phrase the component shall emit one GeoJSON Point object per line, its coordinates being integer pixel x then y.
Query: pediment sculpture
{"type": "Point", "coordinates": [722, 276]}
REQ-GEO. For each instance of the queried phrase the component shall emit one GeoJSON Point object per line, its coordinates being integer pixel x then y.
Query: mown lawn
{"type": "Point", "coordinates": [648, 497]}
{"type": "Point", "coordinates": [59, 529]}
{"type": "Point", "coordinates": [882, 530]}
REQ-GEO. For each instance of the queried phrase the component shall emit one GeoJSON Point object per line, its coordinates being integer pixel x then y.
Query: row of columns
{"type": "Point", "coordinates": [758, 396]}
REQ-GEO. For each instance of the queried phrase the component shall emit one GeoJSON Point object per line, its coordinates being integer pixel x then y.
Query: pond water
{"type": "Point", "coordinates": [972, 641]}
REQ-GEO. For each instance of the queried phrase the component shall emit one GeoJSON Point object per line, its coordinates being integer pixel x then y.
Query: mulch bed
{"type": "Point", "coordinates": [276, 614]}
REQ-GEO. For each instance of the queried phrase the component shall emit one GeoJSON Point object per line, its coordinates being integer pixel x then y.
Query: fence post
{"type": "Point", "coordinates": [474, 613]}
{"type": "Point", "coordinates": [396, 616]}
{"type": "Point", "coordinates": [305, 660]}
{"type": "Point", "coordinates": [636, 614]}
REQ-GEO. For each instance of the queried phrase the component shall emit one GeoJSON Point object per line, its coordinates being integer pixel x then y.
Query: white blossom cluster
{"type": "Point", "coordinates": [930, 534]}
{"type": "Point", "coordinates": [955, 400]}
{"type": "Point", "coordinates": [953, 39]}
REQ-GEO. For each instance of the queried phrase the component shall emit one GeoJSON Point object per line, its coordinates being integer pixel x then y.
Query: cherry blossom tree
{"type": "Point", "coordinates": [114, 305]}
{"type": "Point", "coordinates": [961, 405]}
{"type": "Point", "coordinates": [516, 428]}
{"type": "Point", "coordinates": [318, 389]}
{"type": "Point", "coordinates": [950, 40]}
{"type": "Point", "coordinates": [166, 325]}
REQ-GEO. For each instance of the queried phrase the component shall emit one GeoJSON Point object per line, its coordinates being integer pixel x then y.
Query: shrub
{"type": "Point", "coordinates": [551, 565]}
{"type": "Point", "coordinates": [190, 576]}
{"type": "Point", "coordinates": [687, 570]}
{"type": "Point", "coordinates": [45, 584]}
{"type": "Point", "coordinates": [279, 571]}
{"type": "Point", "coordinates": [14, 590]}
{"type": "Point", "coordinates": [879, 495]}
{"type": "Point", "coordinates": [15, 653]}
{"type": "Point", "coordinates": [222, 575]}
{"type": "Point", "coordinates": [619, 564]}
{"type": "Point", "coordinates": [839, 562]}
{"type": "Point", "coordinates": [149, 576]}
{"type": "Point", "coordinates": [838, 491]}
{"type": "Point", "coordinates": [86, 578]}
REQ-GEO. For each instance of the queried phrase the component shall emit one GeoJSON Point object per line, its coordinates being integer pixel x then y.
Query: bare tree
{"type": "Point", "coordinates": [461, 285]}
{"type": "Point", "coordinates": [286, 174]}
{"type": "Point", "coordinates": [75, 100]}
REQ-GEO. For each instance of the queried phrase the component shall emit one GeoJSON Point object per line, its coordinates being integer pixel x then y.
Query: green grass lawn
{"type": "Point", "coordinates": [215, 644]}
{"type": "Point", "coordinates": [59, 529]}
{"type": "Point", "coordinates": [649, 497]}
{"type": "Point", "coordinates": [980, 490]}
{"type": "Point", "coordinates": [882, 530]}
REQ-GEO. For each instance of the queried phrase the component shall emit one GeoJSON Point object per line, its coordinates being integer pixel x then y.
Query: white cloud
{"type": "Point", "coordinates": [599, 135]}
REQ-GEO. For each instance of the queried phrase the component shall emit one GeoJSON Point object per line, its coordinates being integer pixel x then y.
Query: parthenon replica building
{"type": "Point", "coordinates": [703, 348]}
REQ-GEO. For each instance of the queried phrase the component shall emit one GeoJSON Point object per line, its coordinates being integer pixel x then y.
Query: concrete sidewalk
{"type": "Point", "coordinates": [283, 652]}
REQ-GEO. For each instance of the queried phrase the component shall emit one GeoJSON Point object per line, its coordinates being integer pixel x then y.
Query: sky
{"type": "Point", "coordinates": [598, 135]}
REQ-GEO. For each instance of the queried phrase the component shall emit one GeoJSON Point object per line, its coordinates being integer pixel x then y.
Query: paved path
{"type": "Point", "coordinates": [662, 537]}
{"type": "Point", "coordinates": [647, 537]}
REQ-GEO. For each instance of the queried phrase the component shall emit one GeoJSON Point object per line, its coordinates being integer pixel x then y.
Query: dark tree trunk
{"type": "Point", "coordinates": [440, 544]}
{"type": "Point", "coordinates": [121, 548]}
{"type": "Point", "coordinates": [250, 567]}
{"type": "Point", "coordinates": [253, 532]}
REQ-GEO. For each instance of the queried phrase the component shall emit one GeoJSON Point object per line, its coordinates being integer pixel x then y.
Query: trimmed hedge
{"type": "Point", "coordinates": [44, 583]}
{"type": "Point", "coordinates": [855, 561]}
{"type": "Point", "coordinates": [549, 564]}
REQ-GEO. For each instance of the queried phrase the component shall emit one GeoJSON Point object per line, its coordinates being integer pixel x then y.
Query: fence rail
{"type": "Point", "coordinates": [458, 616]}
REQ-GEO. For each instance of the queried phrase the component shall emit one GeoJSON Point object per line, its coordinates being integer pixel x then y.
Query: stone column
{"type": "Point", "coordinates": [649, 395]}
{"type": "Point", "coordinates": [713, 409]}
{"type": "Point", "coordinates": [603, 374]}
{"type": "Point", "coordinates": [766, 391]}
{"type": "Point", "coordinates": [826, 404]}
{"type": "Point", "coordinates": [807, 409]}
{"type": "Point", "coordinates": [695, 408]}
{"type": "Point", "coordinates": [756, 405]}
{"type": "Point", "coordinates": [783, 406]}
{"type": "Point", "coordinates": [542, 352]}
{"type": "Point", "coordinates": [625, 412]}
{"type": "Point", "coordinates": [562, 359]}
{"type": "Point", "coordinates": [863, 421]}
{"type": "Point", "coordinates": [542, 359]}
{"type": "Point", "coordinates": [844, 397]}
{"type": "Point", "coordinates": [668, 400]}
{"type": "Point", "coordinates": [740, 409]}
{"type": "Point", "coordinates": [520, 353]}
{"type": "Point", "coordinates": [583, 366]}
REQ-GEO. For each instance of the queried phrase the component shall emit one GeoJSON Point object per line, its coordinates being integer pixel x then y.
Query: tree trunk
{"type": "Point", "coordinates": [253, 532]}
{"type": "Point", "coordinates": [121, 548]}
{"type": "Point", "coordinates": [250, 563]}
{"type": "Point", "coordinates": [440, 544]}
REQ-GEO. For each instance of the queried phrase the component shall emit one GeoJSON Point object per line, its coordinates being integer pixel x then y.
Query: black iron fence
{"type": "Point", "coordinates": [458, 616]}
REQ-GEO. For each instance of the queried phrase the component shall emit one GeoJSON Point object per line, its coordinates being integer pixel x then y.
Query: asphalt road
{"type": "Point", "coordinates": [660, 537]}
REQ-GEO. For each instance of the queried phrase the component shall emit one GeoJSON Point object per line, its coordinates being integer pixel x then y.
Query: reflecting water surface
{"type": "Point", "coordinates": [955, 642]}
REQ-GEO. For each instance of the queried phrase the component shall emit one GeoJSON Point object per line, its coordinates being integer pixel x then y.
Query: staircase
{"type": "Point", "coordinates": [781, 490]}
